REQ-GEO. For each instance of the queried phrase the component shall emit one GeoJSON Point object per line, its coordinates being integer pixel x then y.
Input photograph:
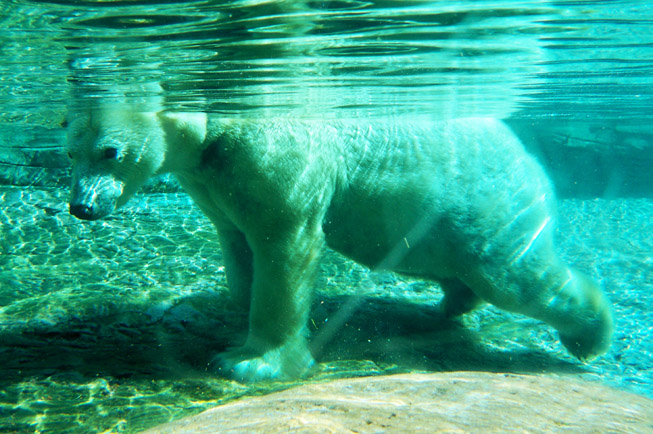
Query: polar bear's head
{"type": "Point", "coordinates": [114, 151]}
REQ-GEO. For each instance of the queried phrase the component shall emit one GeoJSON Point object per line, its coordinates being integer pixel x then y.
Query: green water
{"type": "Point", "coordinates": [108, 326]}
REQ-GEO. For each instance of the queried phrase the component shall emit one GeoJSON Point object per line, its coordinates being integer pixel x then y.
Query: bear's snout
{"type": "Point", "coordinates": [82, 211]}
{"type": "Point", "coordinates": [93, 197]}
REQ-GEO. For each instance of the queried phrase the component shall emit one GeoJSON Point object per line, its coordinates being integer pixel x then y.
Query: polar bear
{"type": "Point", "coordinates": [459, 202]}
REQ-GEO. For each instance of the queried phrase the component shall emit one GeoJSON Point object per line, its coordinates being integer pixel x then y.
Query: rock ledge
{"type": "Point", "coordinates": [458, 402]}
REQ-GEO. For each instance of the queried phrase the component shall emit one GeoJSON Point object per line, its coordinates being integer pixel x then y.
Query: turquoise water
{"type": "Point", "coordinates": [108, 326]}
{"type": "Point", "coordinates": [583, 59]}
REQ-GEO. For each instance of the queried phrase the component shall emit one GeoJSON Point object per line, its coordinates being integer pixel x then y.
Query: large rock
{"type": "Point", "coordinates": [458, 402]}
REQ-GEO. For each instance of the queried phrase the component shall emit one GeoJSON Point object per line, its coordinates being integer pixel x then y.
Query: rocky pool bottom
{"type": "Point", "coordinates": [461, 402]}
{"type": "Point", "coordinates": [108, 326]}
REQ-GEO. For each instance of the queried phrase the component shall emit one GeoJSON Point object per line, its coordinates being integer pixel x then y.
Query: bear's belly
{"type": "Point", "coordinates": [392, 238]}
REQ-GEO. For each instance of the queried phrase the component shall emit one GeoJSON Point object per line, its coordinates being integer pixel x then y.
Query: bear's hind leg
{"type": "Point", "coordinates": [546, 289]}
{"type": "Point", "coordinates": [458, 298]}
{"type": "Point", "coordinates": [238, 263]}
{"type": "Point", "coordinates": [507, 257]}
{"type": "Point", "coordinates": [581, 313]}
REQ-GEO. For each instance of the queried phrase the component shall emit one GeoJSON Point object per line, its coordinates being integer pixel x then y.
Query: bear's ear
{"type": "Point", "coordinates": [189, 128]}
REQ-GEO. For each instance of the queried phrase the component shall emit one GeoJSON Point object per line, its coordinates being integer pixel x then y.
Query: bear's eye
{"type": "Point", "coordinates": [111, 154]}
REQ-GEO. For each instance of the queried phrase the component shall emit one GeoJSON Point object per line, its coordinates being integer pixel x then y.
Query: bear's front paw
{"type": "Point", "coordinates": [247, 364]}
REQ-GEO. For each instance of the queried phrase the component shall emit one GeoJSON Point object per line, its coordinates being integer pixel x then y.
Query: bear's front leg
{"type": "Point", "coordinates": [238, 263]}
{"type": "Point", "coordinates": [284, 270]}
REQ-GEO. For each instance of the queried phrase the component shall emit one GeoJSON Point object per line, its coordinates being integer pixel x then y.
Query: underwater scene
{"type": "Point", "coordinates": [326, 216]}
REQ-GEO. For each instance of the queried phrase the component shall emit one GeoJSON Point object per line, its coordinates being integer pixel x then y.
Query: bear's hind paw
{"type": "Point", "coordinates": [590, 345]}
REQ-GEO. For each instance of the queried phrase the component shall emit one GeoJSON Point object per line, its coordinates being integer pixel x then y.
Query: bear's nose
{"type": "Point", "coordinates": [82, 211]}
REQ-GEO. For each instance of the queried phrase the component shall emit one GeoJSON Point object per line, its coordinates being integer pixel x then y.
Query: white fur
{"type": "Point", "coordinates": [459, 202]}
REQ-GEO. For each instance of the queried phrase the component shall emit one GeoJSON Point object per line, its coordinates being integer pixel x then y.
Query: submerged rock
{"type": "Point", "coordinates": [458, 402]}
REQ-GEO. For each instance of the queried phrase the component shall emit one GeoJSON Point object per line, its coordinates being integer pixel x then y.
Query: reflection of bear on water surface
{"type": "Point", "coordinates": [459, 202]}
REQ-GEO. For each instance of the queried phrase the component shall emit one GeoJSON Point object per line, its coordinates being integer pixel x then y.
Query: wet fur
{"type": "Point", "coordinates": [459, 202]}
